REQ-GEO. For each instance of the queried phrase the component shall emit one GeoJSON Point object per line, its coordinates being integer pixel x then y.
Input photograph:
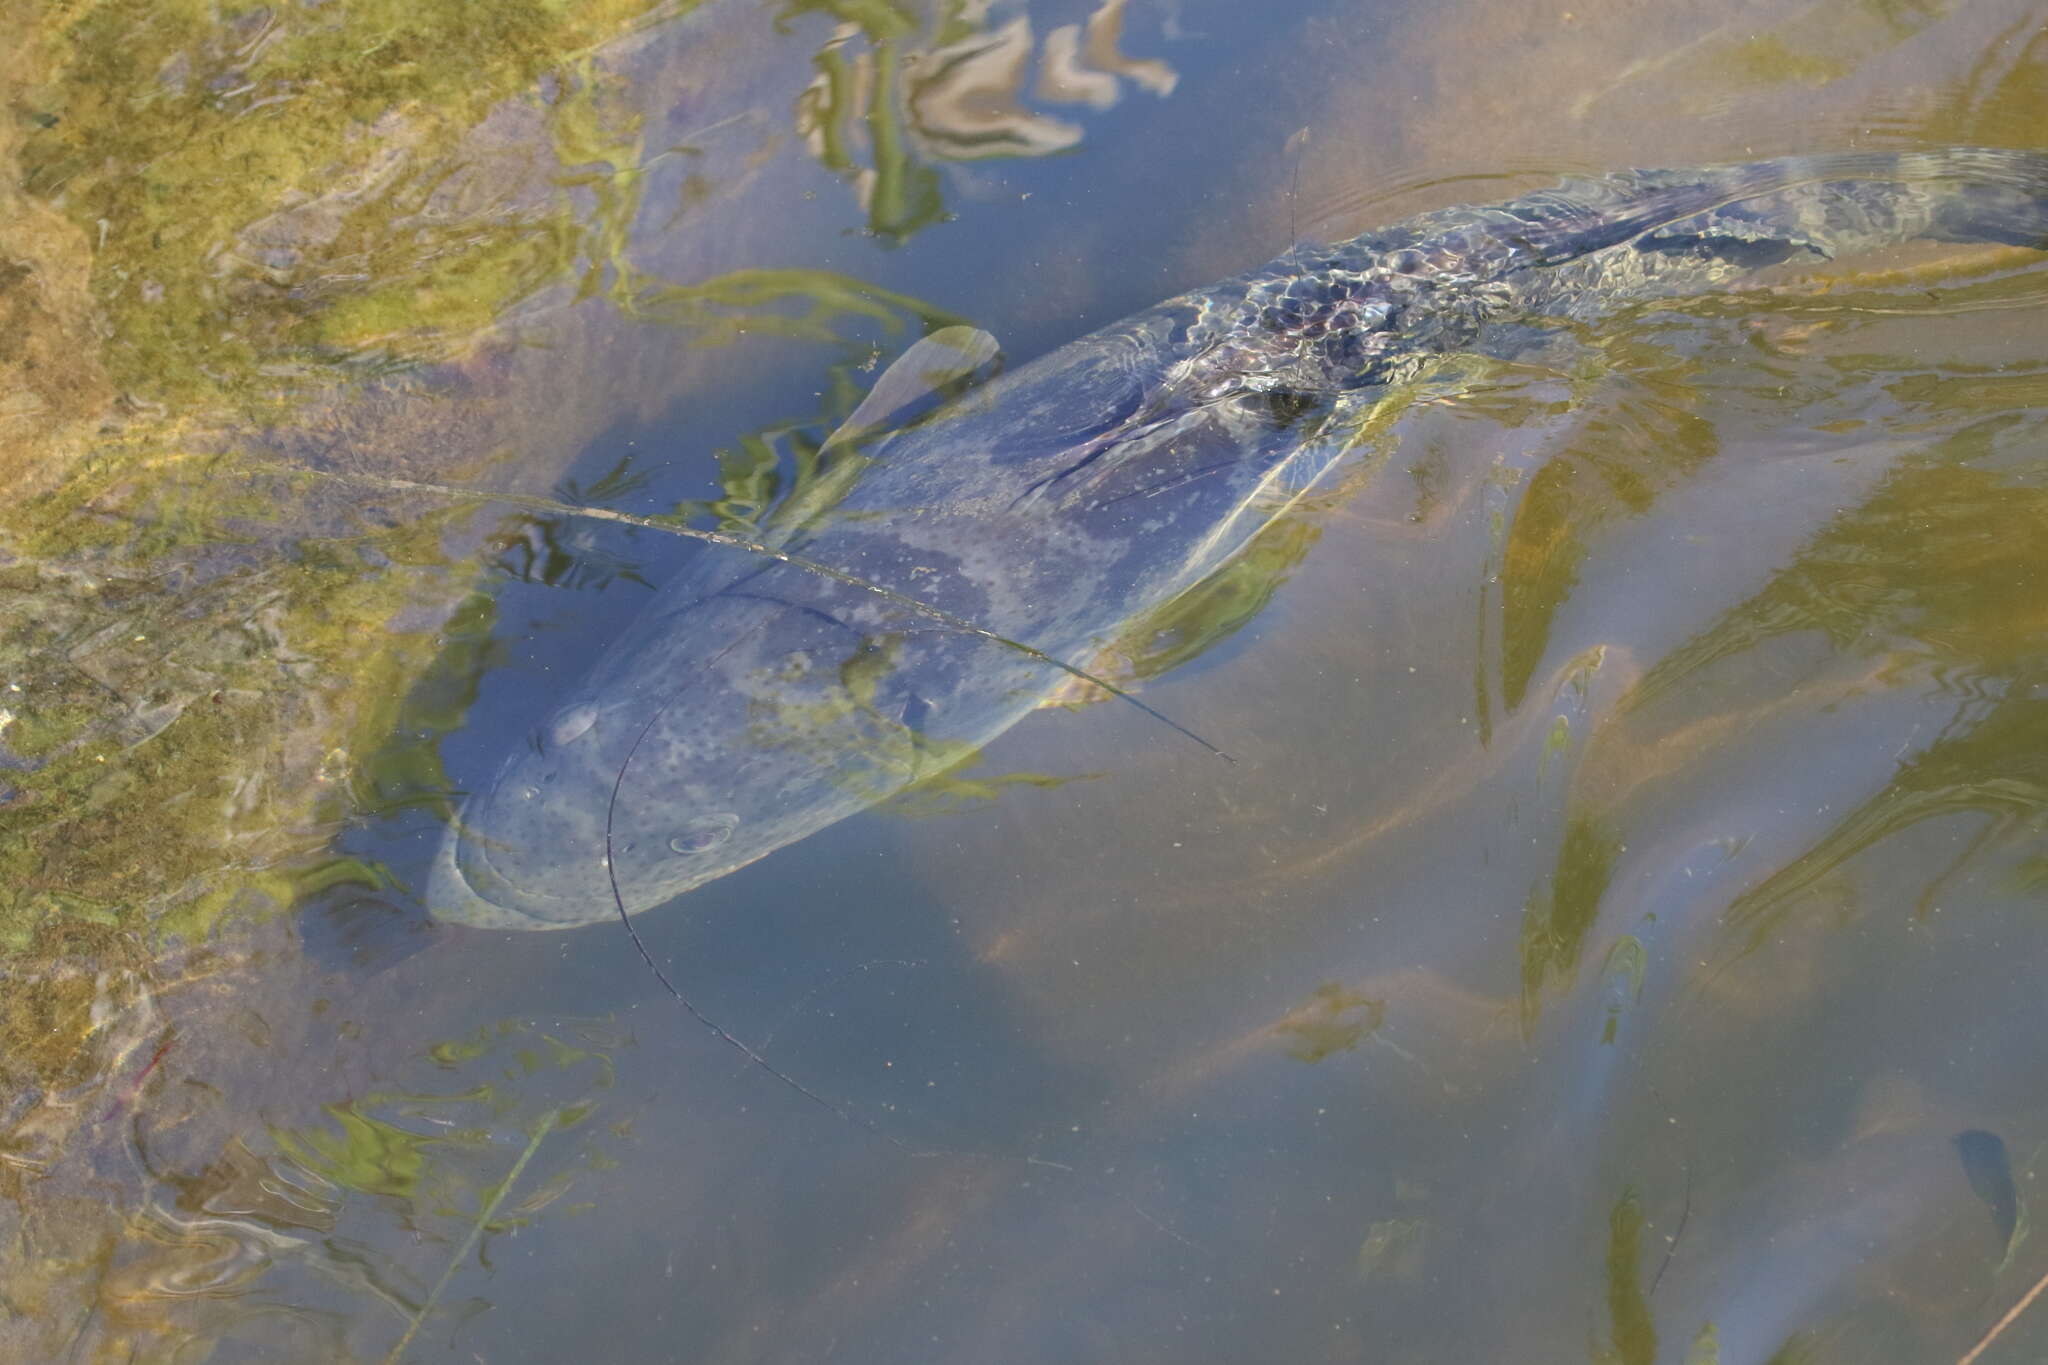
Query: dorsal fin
{"type": "Point", "coordinates": [936, 367]}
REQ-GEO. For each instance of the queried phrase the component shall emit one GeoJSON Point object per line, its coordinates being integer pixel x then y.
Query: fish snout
{"type": "Point", "coordinates": [679, 766]}
{"type": "Point", "coordinates": [526, 852]}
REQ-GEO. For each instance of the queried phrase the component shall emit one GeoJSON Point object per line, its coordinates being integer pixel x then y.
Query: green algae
{"type": "Point", "coordinates": [1636, 393]}
{"type": "Point", "coordinates": [1557, 919]}
{"type": "Point", "coordinates": [191, 708]}
{"type": "Point", "coordinates": [277, 215]}
{"type": "Point", "coordinates": [1335, 1019]}
{"type": "Point", "coordinates": [274, 185]}
{"type": "Point", "coordinates": [1927, 580]}
{"type": "Point", "coordinates": [152, 724]}
{"type": "Point", "coordinates": [1632, 1329]}
{"type": "Point", "coordinates": [157, 635]}
{"type": "Point", "coordinates": [185, 670]}
{"type": "Point", "coordinates": [429, 1148]}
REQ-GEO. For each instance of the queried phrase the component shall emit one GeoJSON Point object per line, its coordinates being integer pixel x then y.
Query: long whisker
{"type": "Point", "coordinates": [755, 1058]}
{"type": "Point", "coordinates": [611, 872]}
{"type": "Point", "coordinates": [733, 542]}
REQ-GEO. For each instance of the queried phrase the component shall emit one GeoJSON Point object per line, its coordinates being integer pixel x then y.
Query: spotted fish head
{"type": "Point", "coordinates": [749, 724]}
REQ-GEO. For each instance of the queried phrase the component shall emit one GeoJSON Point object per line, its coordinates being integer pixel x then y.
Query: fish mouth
{"type": "Point", "coordinates": [665, 778]}
{"type": "Point", "coordinates": [467, 891]}
{"type": "Point", "coordinates": [465, 887]}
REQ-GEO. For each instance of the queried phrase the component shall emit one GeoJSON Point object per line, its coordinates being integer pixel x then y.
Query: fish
{"type": "Point", "coordinates": [1990, 1173]}
{"type": "Point", "coordinates": [758, 699]}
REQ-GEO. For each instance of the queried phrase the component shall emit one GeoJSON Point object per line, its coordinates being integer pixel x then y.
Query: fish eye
{"type": "Point", "coordinates": [572, 725]}
{"type": "Point", "coordinates": [702, 836]}
{"type": "Point", "coordinates": [1286, 406]}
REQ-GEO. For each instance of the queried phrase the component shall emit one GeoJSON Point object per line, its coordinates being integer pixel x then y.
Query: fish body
{"type": "Point", "coordinates": [757, 700]}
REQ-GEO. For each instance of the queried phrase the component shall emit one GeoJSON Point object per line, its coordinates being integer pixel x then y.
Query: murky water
{"type": "Point", "coordinates": [1615, 938]}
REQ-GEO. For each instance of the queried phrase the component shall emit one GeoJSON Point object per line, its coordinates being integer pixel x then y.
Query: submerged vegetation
{"type": "Point", "coordinates": [275, 191]}
{"type": "Point", "coordinates": [333, 224]}
{"type": "Point", "coordinates": [365, 239]}
{"type": "Point", "coordinates": [253, 217]}
{"type": "Point", "coordinates": [269, 206]}
{"type": "Point", "coordinates": [330, 236]}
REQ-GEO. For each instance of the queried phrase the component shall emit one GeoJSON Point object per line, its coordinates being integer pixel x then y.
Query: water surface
{"type": "Point", "coordinates": [1615, 937]}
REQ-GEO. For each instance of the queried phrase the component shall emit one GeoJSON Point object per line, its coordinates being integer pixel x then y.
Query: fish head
{"type": "Point", "coordinates": [735, 726]}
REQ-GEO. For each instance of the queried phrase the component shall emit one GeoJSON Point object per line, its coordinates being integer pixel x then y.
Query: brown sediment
{"type": "Point", "coordinates": [54, 393]}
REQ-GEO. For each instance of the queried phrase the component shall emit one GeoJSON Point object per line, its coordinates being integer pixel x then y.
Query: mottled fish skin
{"type": "Point", "coordinates": [756, 702]}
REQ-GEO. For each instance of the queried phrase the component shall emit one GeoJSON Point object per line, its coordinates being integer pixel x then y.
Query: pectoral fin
{"type": "Point", "coordinates": [945, 363]}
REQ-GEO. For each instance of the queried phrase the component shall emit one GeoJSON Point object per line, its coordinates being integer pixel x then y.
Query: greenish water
{"type": "Point", "coordinates": [1616, 939]}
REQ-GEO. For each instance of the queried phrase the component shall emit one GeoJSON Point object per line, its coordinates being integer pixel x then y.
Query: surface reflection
{"type": "Point", "coordinates": [885, 107]}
